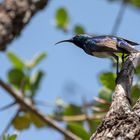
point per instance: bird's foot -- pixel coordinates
(116, 80)
(130, 101)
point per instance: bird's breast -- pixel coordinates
(101, 54)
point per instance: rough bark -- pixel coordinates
(122, 122)
(14, 15)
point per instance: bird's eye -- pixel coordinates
(77, 35)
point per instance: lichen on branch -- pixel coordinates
(14, 15)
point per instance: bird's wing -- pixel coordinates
(123, 44)
(106, 43)
(128, 41)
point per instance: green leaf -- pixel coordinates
(138, 70)
(35, 81)
(22, 122)
(5, 137)
(78, 29)
(93, 124)
(72, 110)
(8, 137)
(16, 77)
(135, 3)
(36, 121)
(36, 60)
(61, 18)
(78, 130)
(108, 80)
(13, 137)
(135, 91)
(15, 60)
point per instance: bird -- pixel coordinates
(104, 46)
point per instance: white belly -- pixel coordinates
(101, 54)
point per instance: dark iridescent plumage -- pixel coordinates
(103, 46)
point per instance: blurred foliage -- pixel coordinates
(22, 78)
(78, 29)
(105, 94)
(108, 80)
(78, 130)
(72, 110)
(135, 3)
(62, 21)
(9, 137)
(62, 18)
(25, 119)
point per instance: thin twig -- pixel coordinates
(8, 125)
(7, 106)
(99, 109)
(82, 117)
(85, 108)
(119, 18)
(102, 101)
(32, 109)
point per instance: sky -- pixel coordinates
(66, 64)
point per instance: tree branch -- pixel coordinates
(14, 15)
(19, 99)
(122, 122)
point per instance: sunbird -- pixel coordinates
(104, 46)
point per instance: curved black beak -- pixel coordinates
(69, 40)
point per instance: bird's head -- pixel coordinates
(78, 40)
